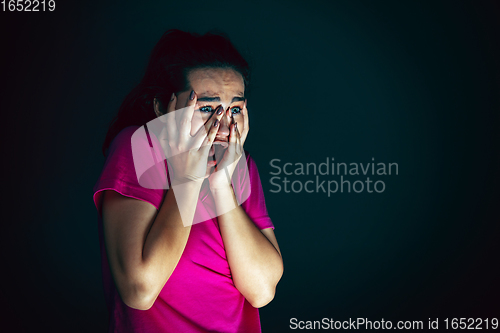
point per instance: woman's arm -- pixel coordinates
(253, 255)
(144, 245)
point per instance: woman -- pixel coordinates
(163, 270)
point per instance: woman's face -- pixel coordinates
(214, 87)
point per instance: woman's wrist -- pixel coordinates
(186, 197)
(221, 183)
(220, 180)
(185, 180)
(224, 198)
(221, 188)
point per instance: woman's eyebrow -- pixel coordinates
(217, 99)
(208, 99)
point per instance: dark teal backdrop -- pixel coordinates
(412, 83)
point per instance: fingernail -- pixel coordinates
(191, 97)
(219, 110)
(172, 97)
(216, 122)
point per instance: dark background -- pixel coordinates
(413, 83)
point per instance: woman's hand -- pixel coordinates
(221, 178)
(187, 154)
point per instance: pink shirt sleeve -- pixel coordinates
(255, 205)
(119, 173)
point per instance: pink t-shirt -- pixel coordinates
(200, 295)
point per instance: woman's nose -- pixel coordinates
(224, 126)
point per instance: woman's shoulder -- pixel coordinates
(129, 142)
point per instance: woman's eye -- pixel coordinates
(235, 110)
(206, 109)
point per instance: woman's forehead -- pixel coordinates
(211, 82)
(206, 94)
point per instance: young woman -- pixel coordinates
(163, 270)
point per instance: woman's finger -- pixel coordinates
(239, 143)
(232, 153)
(203, 132)
(233, 141)
(238, 134)
(233, 137)
(246, 124)
(186, 115)
(209, 137)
